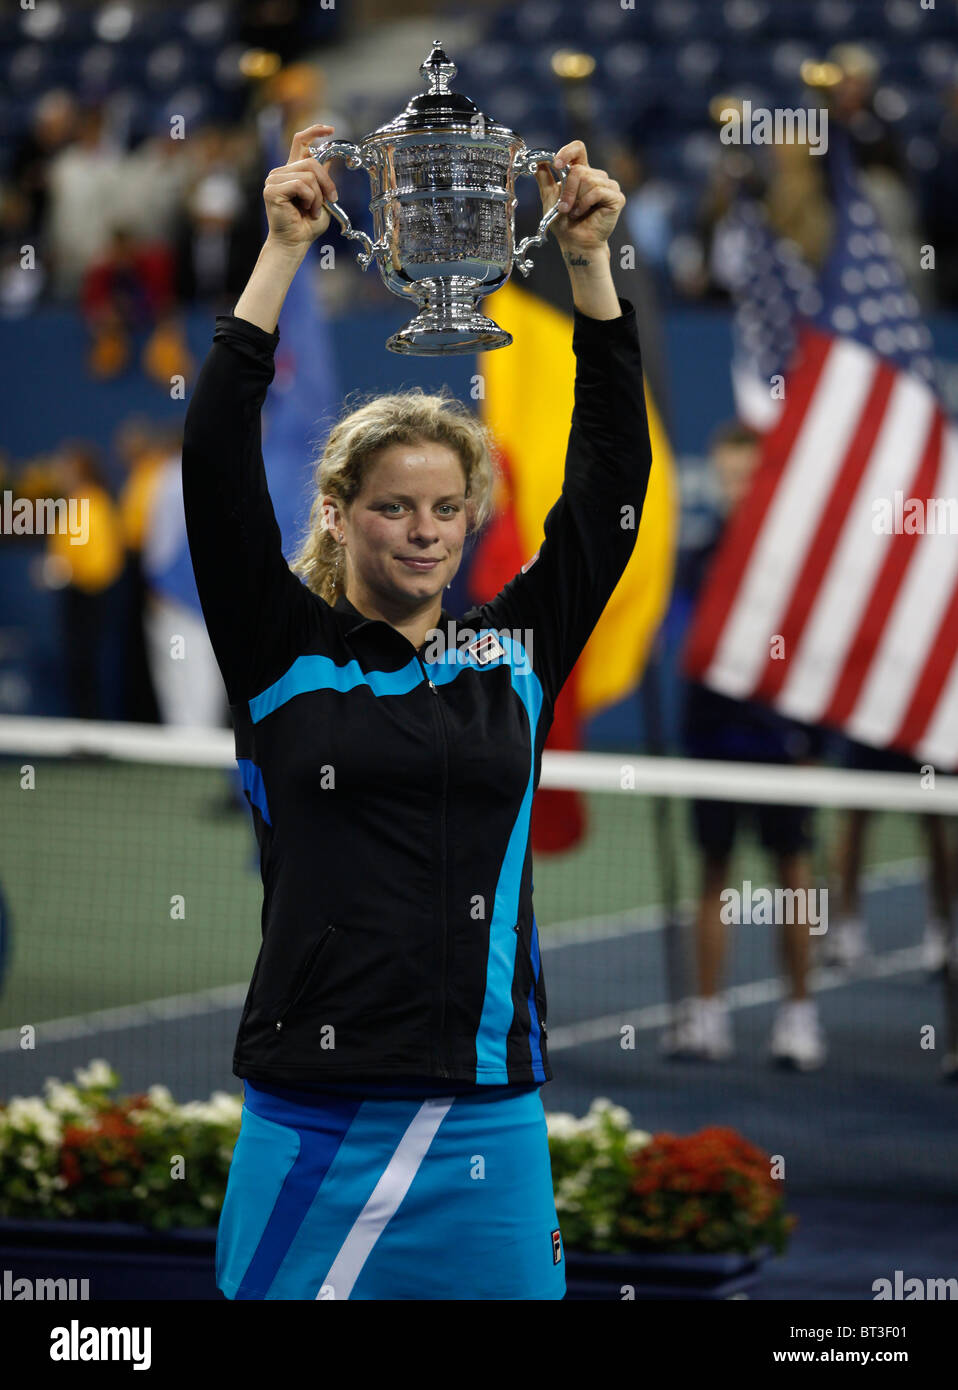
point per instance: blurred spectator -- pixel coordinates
(942, 205)
(213, 250)
(156, 176)
(142, 447)
(853, 104)
(54, 126)
(798, 203)
(85, 181)
(89, 573)
(884, 171)
(186, 678)
(649, 207)
(700, 264)
(22, 272)
(299, 90)
(717, 726)
(847, 942)
(127, 289)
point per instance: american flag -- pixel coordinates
(834, 593)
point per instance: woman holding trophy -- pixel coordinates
(393, 1142)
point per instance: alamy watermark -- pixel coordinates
(899, 515)
(14, 1290)
(45, 516)
(465, 646)
(744, 124)
(767, 907)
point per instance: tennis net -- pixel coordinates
(130, 876)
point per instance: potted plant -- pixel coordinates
(661, 1215)
(125, 1192)
(121, 1191)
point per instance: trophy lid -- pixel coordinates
(439, 108)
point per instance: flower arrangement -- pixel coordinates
(83, 1152)
(620, 1189)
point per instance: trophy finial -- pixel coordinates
(438, 70)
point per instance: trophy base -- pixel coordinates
(448, 327)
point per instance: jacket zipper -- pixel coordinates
(303, 977)
(535, 992)
(443, 1071)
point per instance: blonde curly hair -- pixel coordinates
(402, 417)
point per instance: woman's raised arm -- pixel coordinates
(293, 195)
(252, 602)
(591, 530)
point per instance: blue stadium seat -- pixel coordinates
(169, 65)
(746, 21)
(30, 68)
(207, 23)
(681, 20)
(625, 63)
(100, 68)
(611, 23)
(698, 63)
(936, 63)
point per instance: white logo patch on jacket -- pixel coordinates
(486, 648)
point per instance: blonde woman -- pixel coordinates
(393, 1041)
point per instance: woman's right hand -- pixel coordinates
(294, 194)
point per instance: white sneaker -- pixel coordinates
(934, 947)
(845, 943)
(797, 1039)
(703, 1030)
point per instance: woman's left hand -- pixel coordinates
(590, 202)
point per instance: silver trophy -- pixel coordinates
(442, 177)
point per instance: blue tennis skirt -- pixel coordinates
(343, 1196)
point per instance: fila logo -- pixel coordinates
(529, 563)
(486, 648)
(556, 1247)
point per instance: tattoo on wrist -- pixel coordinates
(573, 258)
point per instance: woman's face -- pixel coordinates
(404, 533)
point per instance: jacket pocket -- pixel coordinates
(537, 993)
(302, 978)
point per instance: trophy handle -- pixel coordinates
(353, 156)
(526, 164)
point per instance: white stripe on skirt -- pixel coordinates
(385, 1199)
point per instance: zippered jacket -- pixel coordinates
(391, 788)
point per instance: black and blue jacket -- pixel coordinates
(391, 788)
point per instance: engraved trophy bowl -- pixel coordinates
(442, 177)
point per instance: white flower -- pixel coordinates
(616, 1114)
(25, 1114)
(63, 1100)
(562, 1125)
(200, 1112)
(161, 1098)
(98, 1074)
(638, 1138)
(225, 1107)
